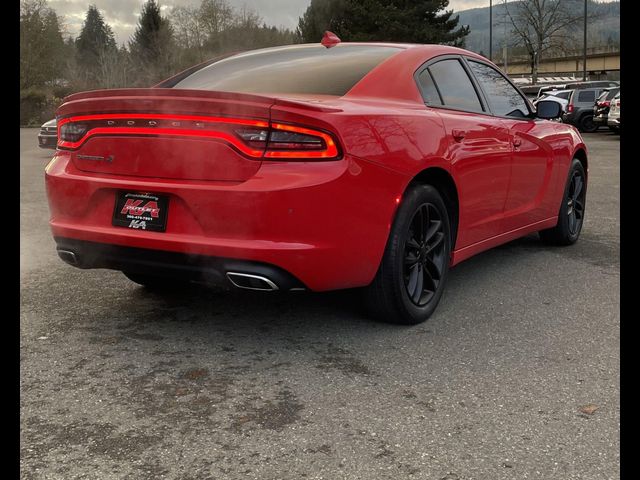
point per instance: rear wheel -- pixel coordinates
(571, 215)
(587, 124)
(413, 271)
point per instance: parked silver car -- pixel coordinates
(48, 136)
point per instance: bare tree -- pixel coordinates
(188, 28)
(542, 26)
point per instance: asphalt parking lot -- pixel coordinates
(514, 377)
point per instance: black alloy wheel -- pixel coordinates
(575, 203)
(424, 251)
(572, 209)
(412, 274)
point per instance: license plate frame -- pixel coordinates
(141, 211)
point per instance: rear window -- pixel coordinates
(612, 93)
(586, 96)
(564, 95)
(295, 69)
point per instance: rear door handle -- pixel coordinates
(458, 135)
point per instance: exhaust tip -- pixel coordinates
(68, 256)
(251, 282)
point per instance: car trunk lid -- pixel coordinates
(165, 133)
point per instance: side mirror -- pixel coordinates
(548, 109)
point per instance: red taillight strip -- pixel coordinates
(172, 132)
(162, 131)
(330, 152)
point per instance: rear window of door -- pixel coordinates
(504, 99)
(454, 85)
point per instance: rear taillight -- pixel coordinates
(294, 142)
(254, 138)
(72, 131)
(605, 104)
(290, 142)
(570, 108)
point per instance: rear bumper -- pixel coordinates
(613, 122)
(568, 118)
(601, 119)
(324, 223)
(174, 265)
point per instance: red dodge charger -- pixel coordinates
(319, 167)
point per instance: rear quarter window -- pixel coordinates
(429, 90)
(294, 69)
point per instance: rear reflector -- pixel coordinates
(254, 138)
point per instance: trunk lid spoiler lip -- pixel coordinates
(147, 95)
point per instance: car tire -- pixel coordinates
(414, 268)
(572, 209)
(152, 282)
(586, 124)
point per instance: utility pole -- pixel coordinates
(584, 48)
(504, 38)
(491, 30)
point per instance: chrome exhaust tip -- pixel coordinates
(251, 282)
(68, 256)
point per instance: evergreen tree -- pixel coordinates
(413, 21)
(96, 40)
(321, 15)
(152, 44)
(41, 44)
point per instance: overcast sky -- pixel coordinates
(122, 15)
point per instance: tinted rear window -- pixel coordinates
(301, 69)
(612, 93)
(586, 96)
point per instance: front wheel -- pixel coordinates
(571, 215)
(412, 274)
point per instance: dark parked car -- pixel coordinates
(602, 106)
(48, 136)
(578, 86)
(579, 112)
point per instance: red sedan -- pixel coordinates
(314, 167)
